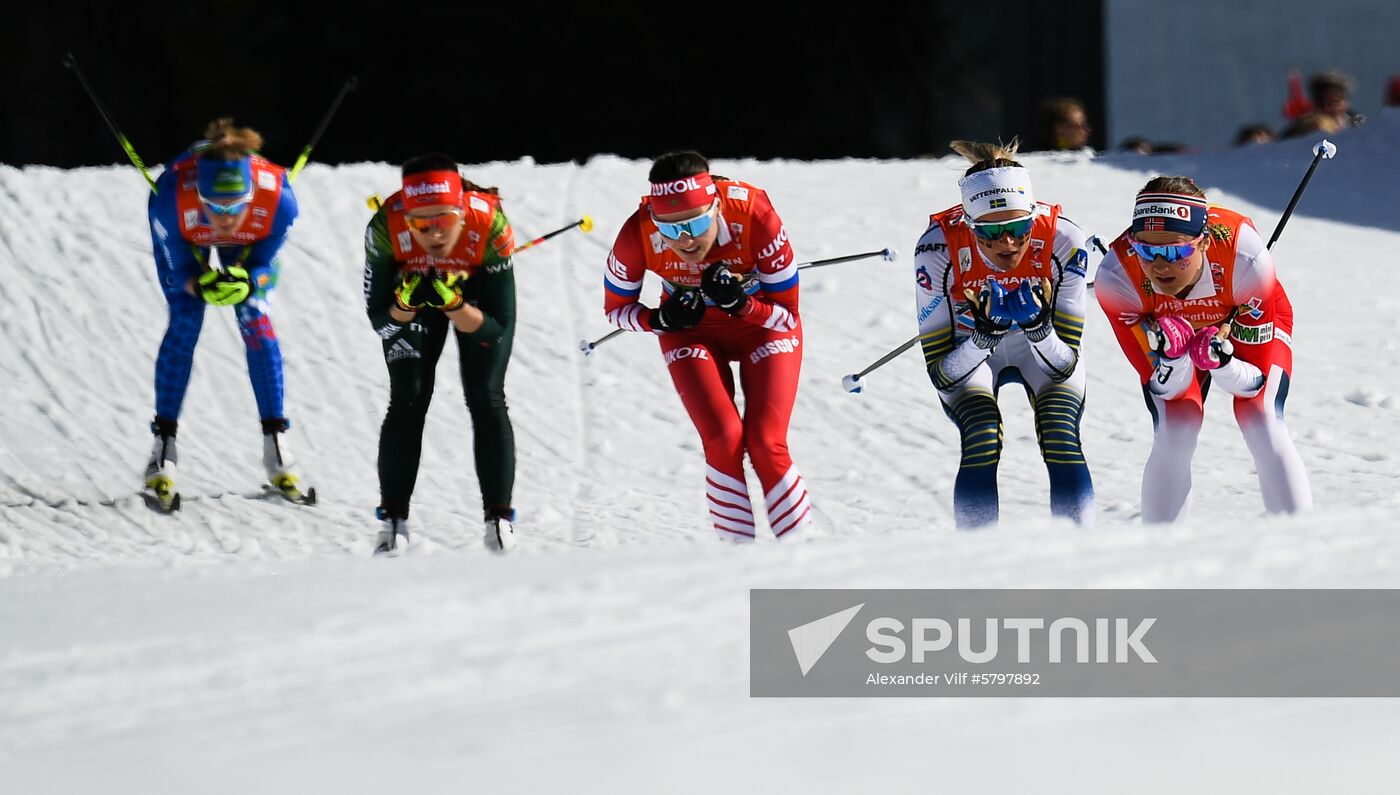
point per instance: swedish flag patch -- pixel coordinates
(996, 204)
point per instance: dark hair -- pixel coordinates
(1182, 185)
(1332, 79)
(987, 156)
(1248, 132)
(678, 165)
(441, 162)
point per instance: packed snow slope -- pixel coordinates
(245, 642)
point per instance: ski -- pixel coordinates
(292, 494)
(160, 496)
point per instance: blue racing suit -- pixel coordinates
(178, 260)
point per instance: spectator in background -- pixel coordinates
(1392, 92)
(1136, 143)
(1315, 122)
(1331, 97)
(1061, 125)
(1254, 134)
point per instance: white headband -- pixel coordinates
(996, 189)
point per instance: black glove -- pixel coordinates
(724, 288)
(990, 318)
(682, 310)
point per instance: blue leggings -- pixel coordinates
(176, 356)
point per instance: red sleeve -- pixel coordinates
(774, 306)
(622, 281)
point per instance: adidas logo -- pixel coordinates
(401, 350)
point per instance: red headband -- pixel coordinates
(432, 187)
(686, 193)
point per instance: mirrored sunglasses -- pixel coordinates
(442, 221)
(233, 208)
(694, 227)
(1172, 252)
(996, 230)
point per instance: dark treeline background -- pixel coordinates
(504, 80)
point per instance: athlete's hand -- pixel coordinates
(226, 287)
(990, 316)
(1170, 336)
(1030, 307)
(1209, 349)
(446, 290)
(406, 295)
(724, 288)
(683, 309)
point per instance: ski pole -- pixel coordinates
(1326, 150)
(854, 382)
(887, 254)
(72, 63)
(585, 223)
(350, 85)
(587, 347)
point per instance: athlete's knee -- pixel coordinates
(484, 398)
(763, 440)
(1057, 414)
(979, 422)
(724, 437)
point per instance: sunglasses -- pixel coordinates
(442, 221)
(1174, 252)
(996, 230)
(227, 209)
(694, 227)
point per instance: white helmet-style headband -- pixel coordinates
(997, 189)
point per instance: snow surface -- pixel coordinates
(250, 645)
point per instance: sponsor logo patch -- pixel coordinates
(774, 347)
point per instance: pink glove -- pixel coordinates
(1173, 336)
(1208, 352)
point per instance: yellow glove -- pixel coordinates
(404, 296)
(447, 289)
(226, 287)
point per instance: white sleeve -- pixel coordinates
(949, 363)
(1057, 345)
(1254, 277)
(1172, 377)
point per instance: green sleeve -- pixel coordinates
(381, 276)
(492, 288)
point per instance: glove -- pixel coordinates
(1172, 336)
(990, 317)
(438, 291)
(446, 290)
(225, 287)
(1208, 351)
(682, 310)
(1031, 310)
(724, 288)
(406, 295)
